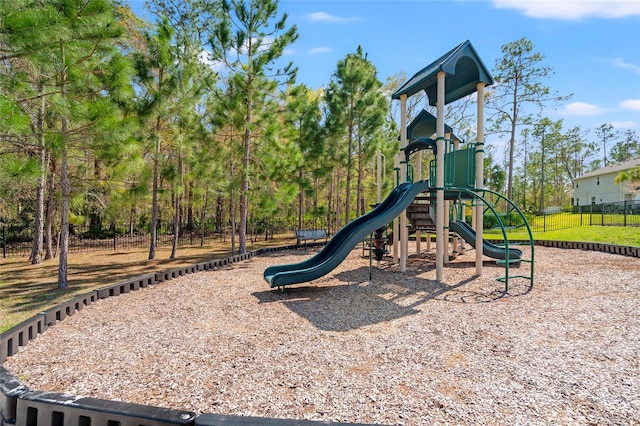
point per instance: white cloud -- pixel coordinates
(581, 109)
(633, 104)
(326, 17)
(624, 125)
(205, 58)
(619, 63)
(322, 49)
(572, 9)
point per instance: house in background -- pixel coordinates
(598, 186)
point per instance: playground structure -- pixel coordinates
(438, 204)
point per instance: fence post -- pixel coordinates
(4, 241)
(544, 222)
(591, 214)
(114, 236)
(580, 213)
(625, 212)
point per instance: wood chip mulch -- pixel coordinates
(400, 348)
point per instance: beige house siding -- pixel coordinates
(599, 186)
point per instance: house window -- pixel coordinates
(593, 200)
(598, 180)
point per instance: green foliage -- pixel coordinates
(627, 146)
(14, 119)
(249, 38)
(17, 168)
(509, 221)
(632, 175)
(520, 83)
(355, 116)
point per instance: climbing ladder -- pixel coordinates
(419, 216)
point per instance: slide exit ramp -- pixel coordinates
(339, 247)
(488, 249)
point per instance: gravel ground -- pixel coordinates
(401, 348)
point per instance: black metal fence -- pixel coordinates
(17, 241)
(625, 213)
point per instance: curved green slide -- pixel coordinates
(488, 249)
(337, 249)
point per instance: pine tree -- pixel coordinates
(250, 39)
(88, 65)
(520, 76)
(605, 134)
(626, 148)
(356, 111)
(303, 115)
(157, 76)
(68, 47)
(23, 81)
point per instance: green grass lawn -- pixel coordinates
(620, 235)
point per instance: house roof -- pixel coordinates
(614, 168)
(464, 70)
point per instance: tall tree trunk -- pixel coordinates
(38, 226)
(524, 181)
(218, 218)
(315, 203)
(512, 143)
(132, 218)
(300, 201)
(64, 210)
(154, 195)
(347, 199)
(51, 186)
(96, 215)
(178, 198)
(65, 185)
(244, 190)
(338, 203)
(190, 213)
(176, 225)
(203, 218)
(330, 209)
(542, 175)
(232, 218)
(359, 196)
(156, 177)
(232, 198)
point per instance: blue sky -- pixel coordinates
(593, 46)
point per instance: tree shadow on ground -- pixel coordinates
(389, 295)
(30, 291)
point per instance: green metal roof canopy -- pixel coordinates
(464, 70)
(424, 126)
